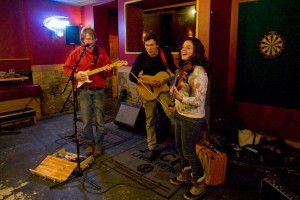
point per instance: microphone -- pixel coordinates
(86, 45)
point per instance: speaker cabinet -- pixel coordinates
(72, 35)
(130, 115)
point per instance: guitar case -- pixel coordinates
(214, 164)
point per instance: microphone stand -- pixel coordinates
(75, 119)
(66, 101)
(68, 98)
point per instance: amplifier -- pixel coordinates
(130, 115)
(273, 190)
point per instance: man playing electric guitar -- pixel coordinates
(91, 93)
(154, 61)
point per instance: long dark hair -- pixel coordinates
(198, 57)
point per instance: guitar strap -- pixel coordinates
(163, 57)
(96, 55)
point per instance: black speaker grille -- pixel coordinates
(72, 35)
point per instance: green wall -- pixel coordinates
(269, 81)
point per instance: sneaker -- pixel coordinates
(89, 150)
(98, 151)
(198, 190)
(184, 177)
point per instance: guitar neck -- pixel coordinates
(95, 71)
(168, 80)
(115, 64)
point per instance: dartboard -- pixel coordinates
(271, 44)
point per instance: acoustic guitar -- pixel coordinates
(150, 93)
(94, 71)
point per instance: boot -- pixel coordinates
(98, 151)
(153, 155)
(184, 177)
(198, 190)
(89, 150)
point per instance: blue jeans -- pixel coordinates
(92, 106)
(187, 133)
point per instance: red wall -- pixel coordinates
(130, 57)
(97, 16)
(101, 21)
(218, 55)
(13, 36)
(25, 36)
(46, 48)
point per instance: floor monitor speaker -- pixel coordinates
(130, 115)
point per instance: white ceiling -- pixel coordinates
(79, 2)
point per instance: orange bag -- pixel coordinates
(214, 165)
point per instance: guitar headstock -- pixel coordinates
(120, 63)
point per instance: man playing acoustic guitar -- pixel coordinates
(157, 65)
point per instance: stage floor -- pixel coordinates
(27, 147)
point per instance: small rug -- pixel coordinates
(112, 136)
(155, 175)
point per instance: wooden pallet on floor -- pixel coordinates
(60, 165)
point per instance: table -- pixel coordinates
(17, 78)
